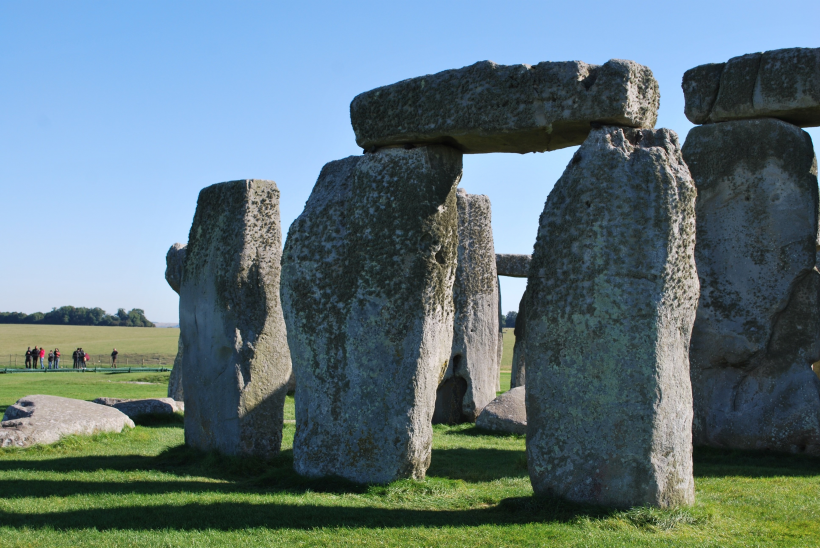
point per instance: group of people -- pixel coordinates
(81, 358)
(32, 356)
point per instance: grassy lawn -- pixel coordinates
(136, 342)
(143, 487)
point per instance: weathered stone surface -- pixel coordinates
(175, 391)
(506, 413)
(174, 266)
(45, 419)
(611, 299)
(148, 406)
(367, 282)
(236, 361)
(514, 266)
(473, 358)
(758, 323)
(783, 83)
(518, 374)
(487, 107)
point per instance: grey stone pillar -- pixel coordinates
(236, 362)
(368, 272)
(472, 376)
(174, 266)
(609, 402)
(758, 323)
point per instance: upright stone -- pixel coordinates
(758, 322)
(783, 83)
(236, 362)
(471, 378)
(488, 107)
(367, 285)
(174, 267)
(518, 373)
(609, 402)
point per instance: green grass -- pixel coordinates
(98, 341)
(143, 487)
(509, 343)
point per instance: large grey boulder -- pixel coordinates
(783, 83)
(134, 408)
(174, 265)
(471, 378)
(609, 402)
(367, 290)
(518, 373)
(488, 107)
(236, 362)
(514, 266)
(45, 419)
(507, 413)
(758, 323)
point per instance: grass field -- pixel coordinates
(134, 342)
(143, 487)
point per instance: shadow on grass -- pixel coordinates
(719, 463)
(160, 420)
(229, 516)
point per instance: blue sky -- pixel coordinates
(113, 115)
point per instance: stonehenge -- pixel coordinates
(608, 396)
(757, 331)
(673, 295)
(174, 264)
(367, 291)
(236, 361)
(471, 378)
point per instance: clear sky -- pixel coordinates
(113, 115)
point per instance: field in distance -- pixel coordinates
(150, 343)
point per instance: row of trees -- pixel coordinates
(70, 315)
(508, 319)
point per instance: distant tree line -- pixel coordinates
(508, 320)
(69, 315)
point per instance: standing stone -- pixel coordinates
(174, 267)
(488, 107)
(783, 83)
(609, 402)
(518, 374)
(471, 378)
(758, 323)
(367, 285)
(236, 362)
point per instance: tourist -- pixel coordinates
(75, 355)
(28, 358)
(114, 358)
(56, 358)
(42, 358)
(86, 359)
(50, 358)
(34, 355)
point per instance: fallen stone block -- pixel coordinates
(609, 401)
(45, 419)
(367, 291)
(507, 413)
(471, 378)
(148, 406)
(758, 322)
(514, 266)
(783, 84)
(488, 107)
(236, 362)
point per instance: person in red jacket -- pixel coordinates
(42, 357)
